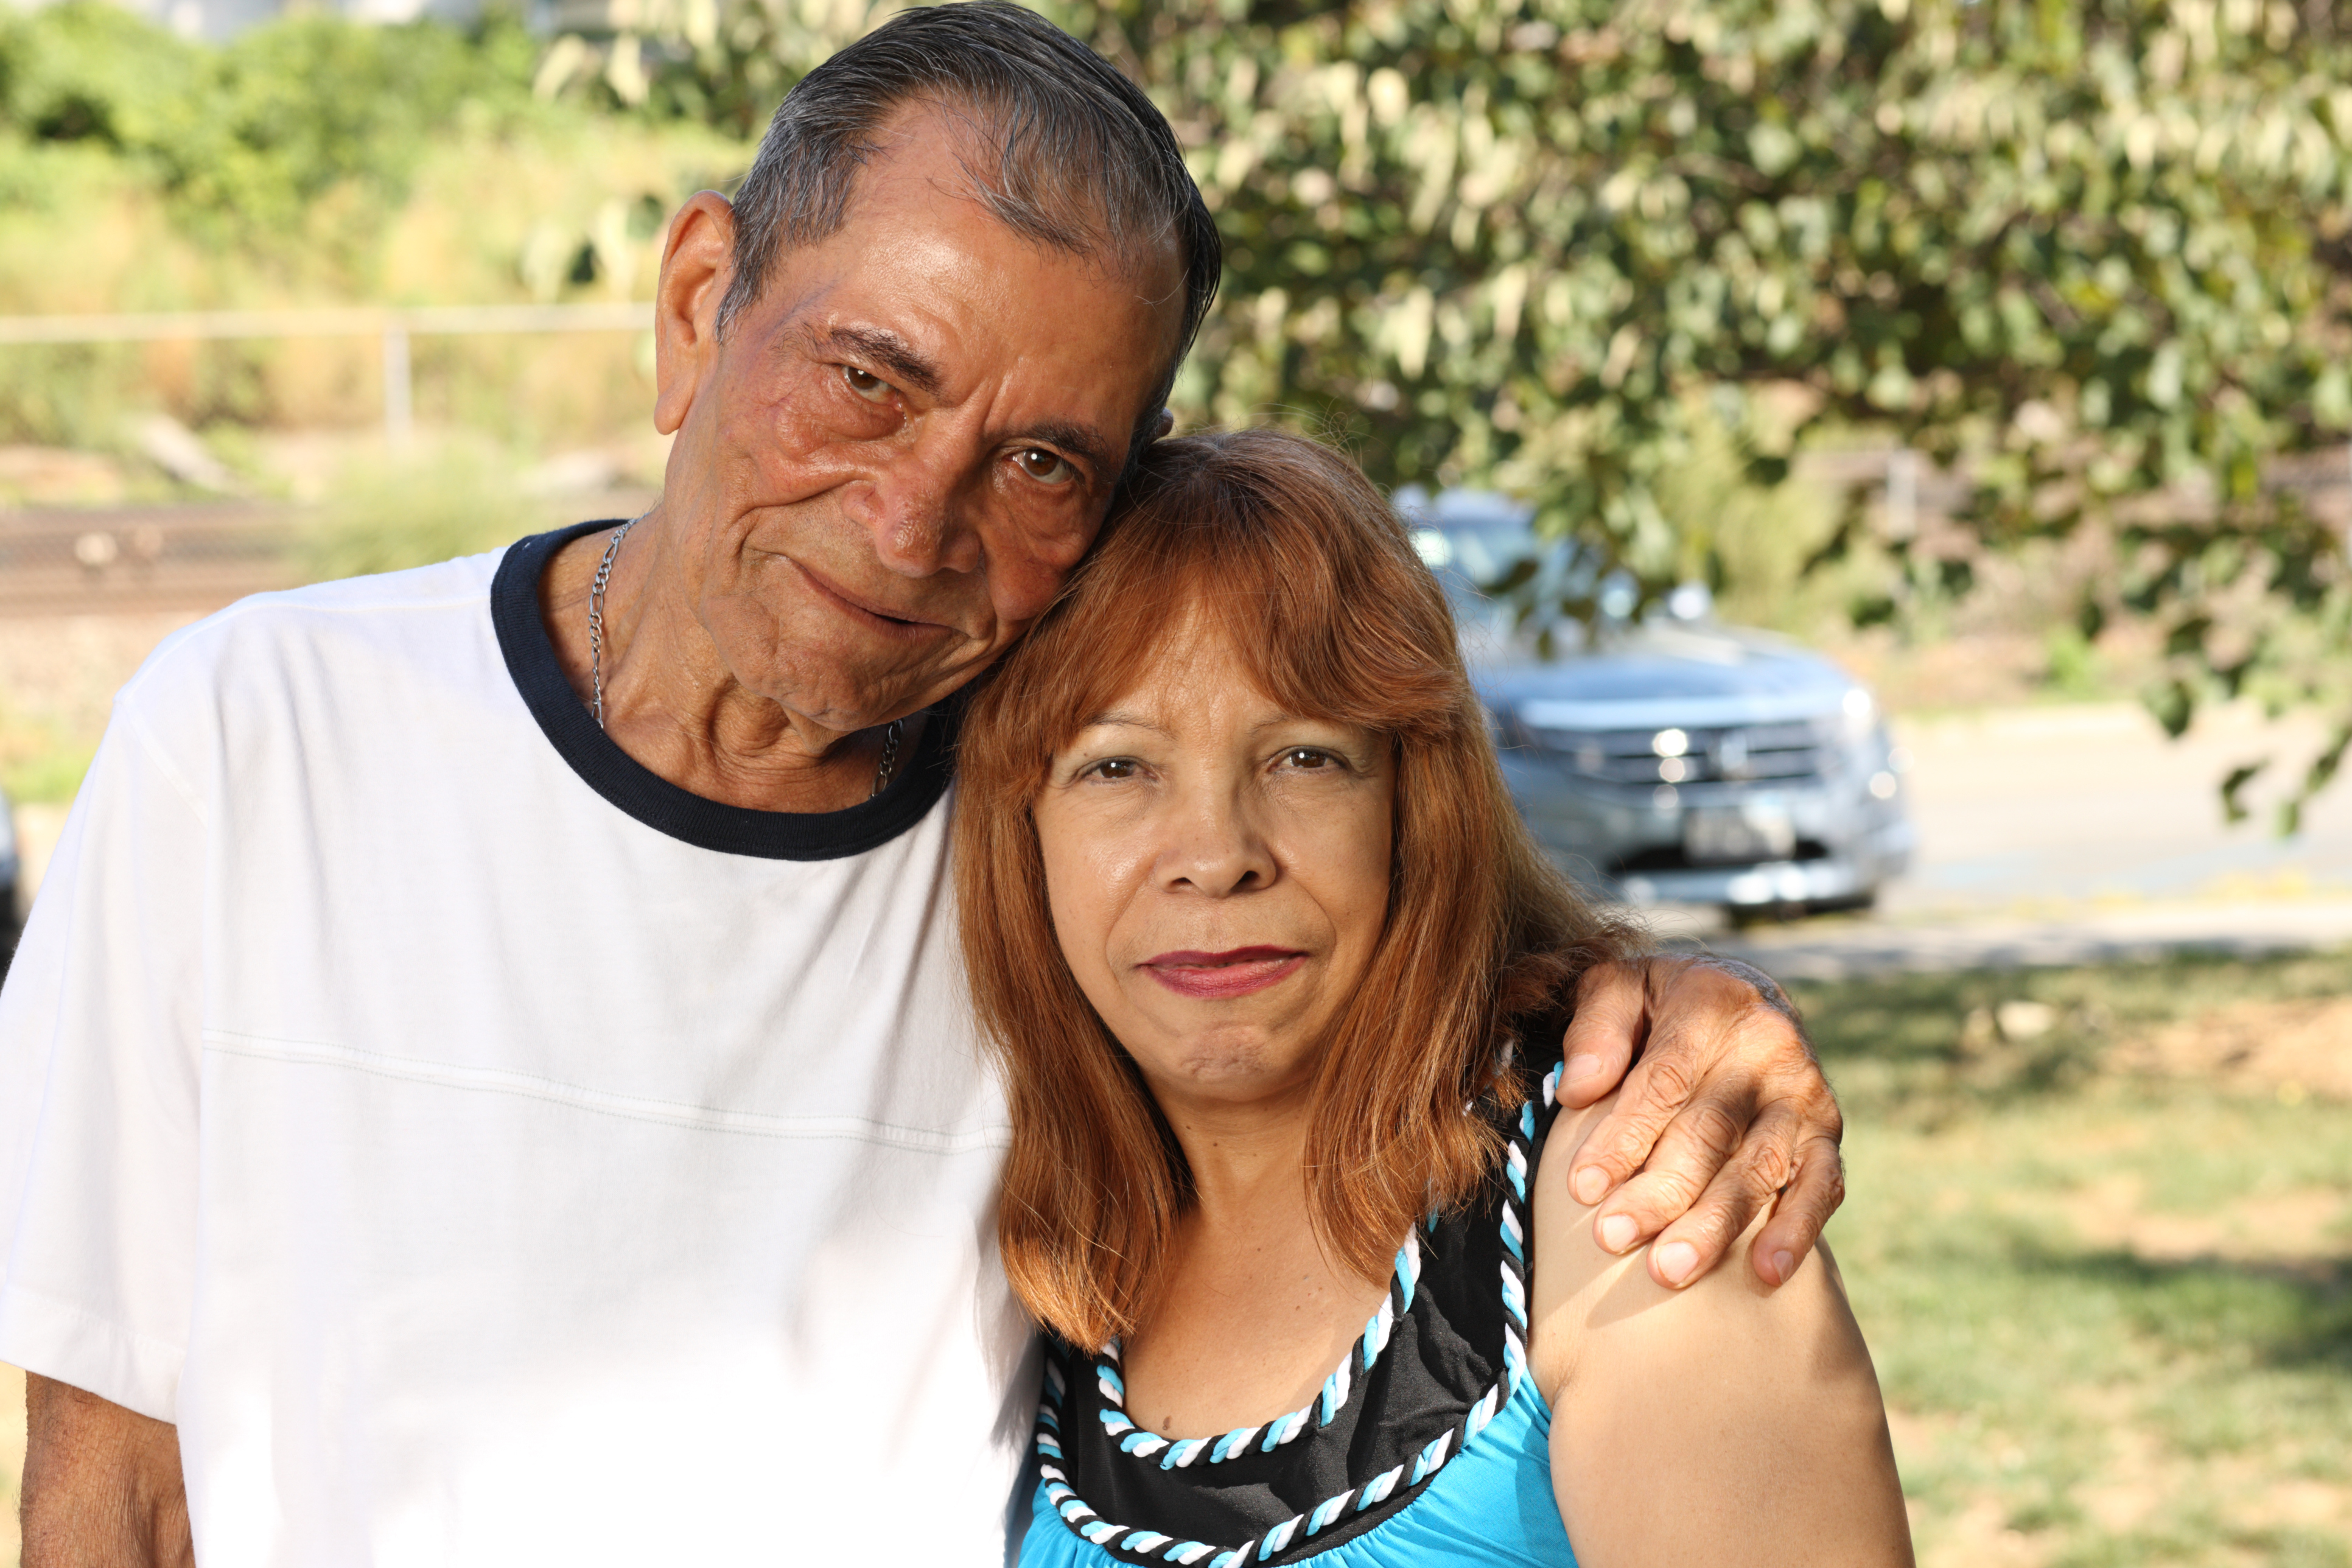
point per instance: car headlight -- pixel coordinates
(1861, 711)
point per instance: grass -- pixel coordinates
(390, 516)
(40, 763)
(2112, 1310)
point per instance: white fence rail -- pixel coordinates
(393, 325)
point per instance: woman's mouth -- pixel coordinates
(1216, 975)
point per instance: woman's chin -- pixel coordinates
(1233, 1068)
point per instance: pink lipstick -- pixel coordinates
(1212, 977)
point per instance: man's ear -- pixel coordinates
(698, 264)
(1167, 422)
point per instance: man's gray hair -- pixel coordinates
(1079, 159)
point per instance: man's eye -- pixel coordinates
(866, 383)
(1045, 467)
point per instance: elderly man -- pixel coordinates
(487, 1080)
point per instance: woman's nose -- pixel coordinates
(1214, 846)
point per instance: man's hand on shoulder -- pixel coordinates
(1726, 1114)
(102, 1487)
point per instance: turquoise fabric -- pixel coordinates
(1492, 1504)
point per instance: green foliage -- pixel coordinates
(2097, 258)
(459, 499)
(2074, 664)
(248, 139)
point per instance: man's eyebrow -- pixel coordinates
(1088, 445)
(897, 360)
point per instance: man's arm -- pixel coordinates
(102, 1484)
(1725, 1115)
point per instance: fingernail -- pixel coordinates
(1675, 1261)
(1582, 1067)
(1617, 1232)
(1784, 1265)
(1590, 1185)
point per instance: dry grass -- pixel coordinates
(566, 209)
(2106, 1265)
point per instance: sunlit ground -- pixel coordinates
(2100, 1236)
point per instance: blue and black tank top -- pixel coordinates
(1429, 1443)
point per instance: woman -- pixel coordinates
(1266, 955)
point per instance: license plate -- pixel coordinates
(1737, 835)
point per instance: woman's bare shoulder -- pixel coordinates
(1584, 1294)
(1726, 1420)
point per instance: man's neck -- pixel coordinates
(671, 703)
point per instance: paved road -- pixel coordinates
(2072, 835)
(2074, 804)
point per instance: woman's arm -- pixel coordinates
(1724, 1423)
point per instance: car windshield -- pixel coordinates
(1470, 558)
(1471, 555)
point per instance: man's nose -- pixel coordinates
(1214, 844)
(918, 503)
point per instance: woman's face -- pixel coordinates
(1218, 871)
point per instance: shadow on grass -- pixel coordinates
(2294, 1315)
(1931, 1046)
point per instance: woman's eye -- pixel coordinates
(1306, 757)
(866, 383)
(1045, 467)
(1113, 768)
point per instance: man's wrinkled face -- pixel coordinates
(893, 461)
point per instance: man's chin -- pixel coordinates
(846, 705)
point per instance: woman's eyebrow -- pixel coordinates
(1119, 718)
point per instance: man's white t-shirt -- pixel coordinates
(483, 1150)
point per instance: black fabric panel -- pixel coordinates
(1442, 1356)
(653, 800)
(1435, 1368)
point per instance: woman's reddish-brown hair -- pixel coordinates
(1289, 551)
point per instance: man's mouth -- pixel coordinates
(880, 617)
(1212, 976)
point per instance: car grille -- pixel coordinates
(1731, 754)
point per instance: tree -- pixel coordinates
(2097, 256)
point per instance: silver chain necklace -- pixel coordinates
(596, 617)
(604, 579)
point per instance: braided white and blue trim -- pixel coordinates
(1432, 1458)
(1180, 1453)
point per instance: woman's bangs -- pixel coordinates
(1124, 612)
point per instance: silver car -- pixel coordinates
(1669, 759)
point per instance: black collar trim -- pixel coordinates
(1342, 1465)
(653, 800)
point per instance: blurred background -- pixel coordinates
(1891, 457)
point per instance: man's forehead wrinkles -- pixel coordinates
(899, 359)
